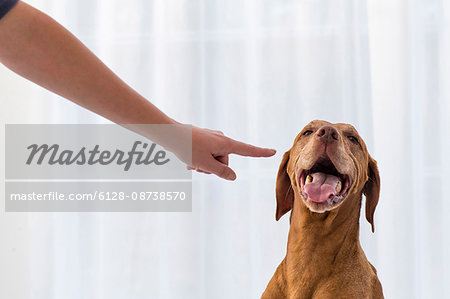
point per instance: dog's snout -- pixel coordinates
(327, 134)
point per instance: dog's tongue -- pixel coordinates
(322, 186)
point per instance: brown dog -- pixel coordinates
(322, 179)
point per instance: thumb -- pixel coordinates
(221, 170)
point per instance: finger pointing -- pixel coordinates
(249, 150)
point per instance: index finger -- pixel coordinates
(248, 150)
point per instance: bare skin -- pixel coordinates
(39, 49)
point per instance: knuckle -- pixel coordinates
(225, 143)
(228, 141)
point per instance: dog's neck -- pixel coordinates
(320, 242)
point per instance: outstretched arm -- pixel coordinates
(38, 48)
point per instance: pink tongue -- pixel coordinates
(322, 186)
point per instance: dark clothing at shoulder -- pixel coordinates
(6, 5)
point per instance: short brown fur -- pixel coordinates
(324, 257)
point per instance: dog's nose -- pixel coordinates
(327, 134)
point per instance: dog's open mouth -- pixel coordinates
(323, 185)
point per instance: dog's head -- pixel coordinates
(327, 165)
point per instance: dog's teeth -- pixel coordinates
(309, 179)
(338, 186)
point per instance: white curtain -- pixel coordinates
(259, 70)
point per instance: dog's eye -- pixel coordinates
(308, 132)
(353, 139)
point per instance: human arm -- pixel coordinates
(38, 48)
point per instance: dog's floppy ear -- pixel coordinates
(284, 192)
(372, 190)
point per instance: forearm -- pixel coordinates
(36, 47)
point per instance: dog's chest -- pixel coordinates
(319, 281)
(329, 289)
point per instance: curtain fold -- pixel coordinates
(258, 70)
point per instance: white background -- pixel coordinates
(259, 71)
